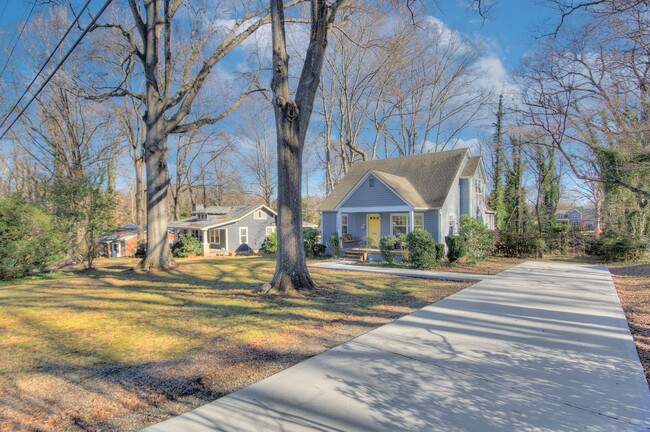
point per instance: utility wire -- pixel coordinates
(58, 66)
(38, 74)
(18, 38)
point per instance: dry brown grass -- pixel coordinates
(633, 287)
(113, 349)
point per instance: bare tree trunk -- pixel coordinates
(139, 199)
(158, 251)
(292, 120)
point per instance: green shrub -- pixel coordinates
(478, 240)
(141, 250)
(270, 244)
(520, 245)
(334, 244)
(386, 248)
(319, 250)
(612, 249)
(187, 246)
(440, 252)
(30, 240)
(421, 247)
(401, 241)
(456, 247)
(310, 238)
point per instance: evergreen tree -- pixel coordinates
(513, 198)
(548, 187)
(497, 199)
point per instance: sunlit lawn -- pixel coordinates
(59, 334)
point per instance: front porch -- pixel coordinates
(213, 241)
(361, 229)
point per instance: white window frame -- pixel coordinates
(259, 215)
(243, 232)
(452, 224)
(478, 187)
(196, 234)
(392, 225)
(270, 230)
(345, 224)
(214, 236)
(415, 220)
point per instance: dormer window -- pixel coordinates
(201, 216)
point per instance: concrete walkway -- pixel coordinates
(424, 274)
(542, 346)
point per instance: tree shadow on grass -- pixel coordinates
(222, 337)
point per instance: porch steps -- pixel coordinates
(356, 254)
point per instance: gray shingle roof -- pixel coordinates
(233, 214)
(427, 177)
(403, 187)
(470, 166)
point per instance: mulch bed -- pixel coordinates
(633, 287)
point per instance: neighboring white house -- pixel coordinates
(393, 196)
(227, 229)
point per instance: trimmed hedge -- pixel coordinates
(456, 247)
(422, 249)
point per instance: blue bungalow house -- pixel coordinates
(393, 196)
(227, 229)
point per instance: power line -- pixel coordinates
(58, 66)
(13, 48)
(58, 45)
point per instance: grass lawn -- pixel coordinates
(113, 349)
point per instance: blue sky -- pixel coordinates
(511, 30)
(508, 35)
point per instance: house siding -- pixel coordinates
(328, 225)
(432, 224)
(377, 196)
(256, 232)
(452, 206)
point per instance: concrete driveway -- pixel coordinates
(542, 346)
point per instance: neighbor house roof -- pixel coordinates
(117, 236)
(422, 180)
(225, 216)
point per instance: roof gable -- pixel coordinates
(235, 214)
(423, 179)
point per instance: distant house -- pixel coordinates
(227, 229)
(393, 196)
(121, 243)
(583, 218)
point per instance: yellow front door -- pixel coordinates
(374, 228)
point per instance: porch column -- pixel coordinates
(176, 233)
(338, 224)
(411, 220)
(206, 245)
(225, 230)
